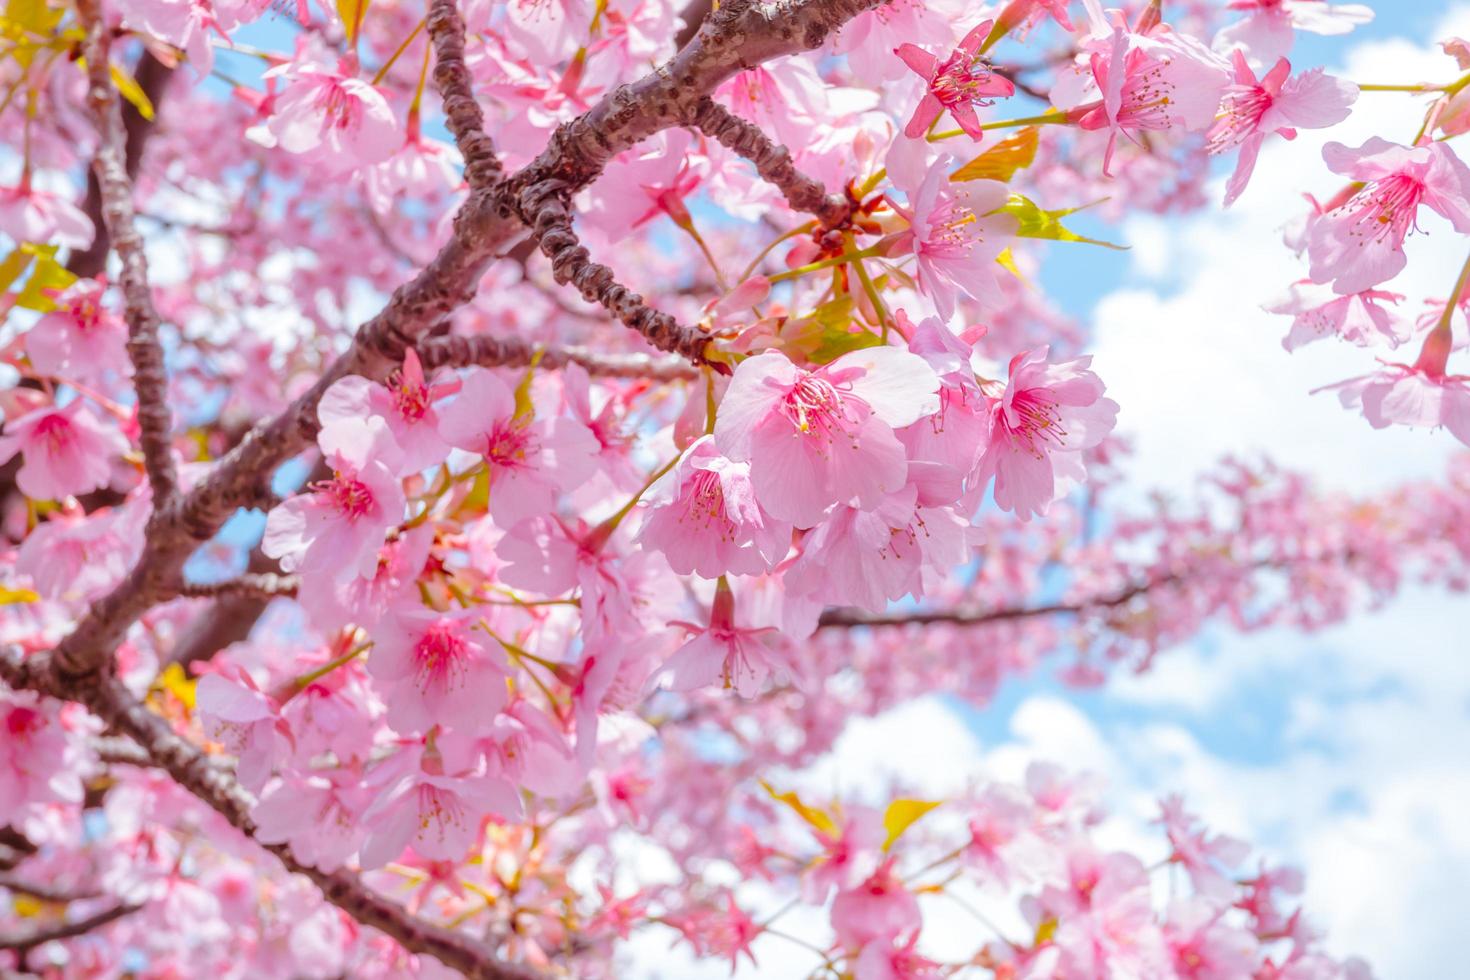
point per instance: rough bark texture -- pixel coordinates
(488, 351)
(772, 161)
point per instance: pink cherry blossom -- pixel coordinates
(247, 722)
(956, 235)
(81, 339)
(1358, 318)
(333, 119)
(1361, 243)
(704, 517)
(337, 529)
(437, 669)
(1268, 29)
(29, 214)
(434, 809)
(878, 908)
(1137, 83)
(405, 403)
(741, 657)
(363, 600)
(1048, 414)
(531, 460)
(38, 757)
(958, 84)
(825, 436)
(1252, 109)
(78, 555)
(66, 450)
(643, 183)
(869, 39)
(317, 814)
(1398, 394)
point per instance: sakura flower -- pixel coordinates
(182, 23)
(405, 403)
(1356, 318)
(38, 756)
(849, 856)
(865, 558)
(336, 528)
(959, 83)
(956, 235)
(884, 959)
(879, 908)
(643, 183)
(1136, 83)
(742, 657)
(1039, 427)
(1025, 13)
(67, 450)
(1268, 29)
(437, 669)
(703, 516)
(247, 722)
(825, 436)
(869, 39)
(29, 214)
(81, 339)
(1203, 856)
(1202, 945)
(422, 168)
(1397, 394)
(1360, 244)
(1252, 109)
(531, 460)
(435, 810)
(332, 119)
(331, 603)
(548, 30)
(81, 555)
(317, 815)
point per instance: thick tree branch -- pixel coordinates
(462, 113)
(106, 697)
(487, 351)
(772, 161)
(152, 77)
(261, 585)
(110, 166)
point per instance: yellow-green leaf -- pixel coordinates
(352, 12)
(1002, 160)
(47, 277)
(1036, 222)
(901, 815)
(525, 409)
(13, 268)
(129, 89)
(9, 596)
(827, 333)
(174, 681)
(816, 818)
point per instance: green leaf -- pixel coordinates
(352, 12)
(13, 268)
(827, 333)
(901, 815)
(1036, 222)
(1002, 160)
(129, 89)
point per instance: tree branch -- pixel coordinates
(107, 698)
(978, 616)
(23, 944)
(463, 116)
(772, 161)
(116, 189)
(260, 585)
(488, 351)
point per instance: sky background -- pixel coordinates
(1345, 751)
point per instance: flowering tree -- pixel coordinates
(559, 587)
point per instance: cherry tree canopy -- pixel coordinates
(463, 461)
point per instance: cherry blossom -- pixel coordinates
(957, 84)
(816, 438)
(65, 450)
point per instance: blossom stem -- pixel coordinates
(311, 677)
(688, 227)
(845, 258)
(1050, 117)
(392, 58)
(787, 236)
(870, 290)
